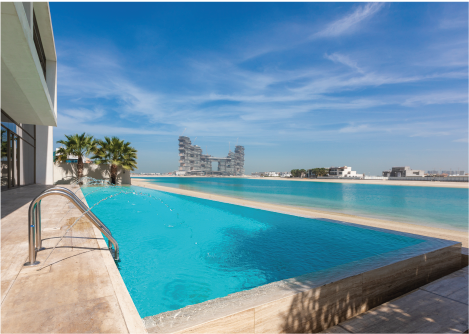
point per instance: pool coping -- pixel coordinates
(130, 314)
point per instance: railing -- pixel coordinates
(34, 222)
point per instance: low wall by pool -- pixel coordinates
(316, 301)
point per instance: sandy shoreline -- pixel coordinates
(434, 232)
(438, 184)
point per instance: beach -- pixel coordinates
(437, 184)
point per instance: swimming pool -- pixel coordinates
(429, 206)
(178, 250)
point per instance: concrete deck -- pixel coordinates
(78, 289)
(438, 307)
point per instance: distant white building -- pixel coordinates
(285, 174)
(180, 173)
(343, 172)
(271, 174)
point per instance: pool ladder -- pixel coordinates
(34, 222)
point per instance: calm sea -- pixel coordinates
(429, 206)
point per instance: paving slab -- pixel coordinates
(438, 307)
(453, 286)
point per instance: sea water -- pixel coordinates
(429, 206)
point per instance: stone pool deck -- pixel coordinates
(438, 307)
(77, 290)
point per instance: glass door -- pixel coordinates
(5, 163)
(10, 159)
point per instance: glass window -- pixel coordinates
(18, 153)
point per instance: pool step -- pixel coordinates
(438, 307)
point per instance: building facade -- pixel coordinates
(343, 172)
(192, 161)
(29, 94)
(403, 172)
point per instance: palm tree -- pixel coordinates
(79, 145)
(116, 152)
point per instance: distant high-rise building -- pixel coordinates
(193, 162)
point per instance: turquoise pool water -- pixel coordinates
(438, 207)
(177, 250)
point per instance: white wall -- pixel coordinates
(44, 155)
(64, 173)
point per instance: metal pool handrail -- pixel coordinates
(34, 222)
(79, 202)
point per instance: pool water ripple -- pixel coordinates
(201, 249)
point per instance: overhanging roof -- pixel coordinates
(25, 93)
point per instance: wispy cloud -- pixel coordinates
(320, 93)
(448, 97)
(461, 140)
(356, 128)
(343, 59)
(350, 22)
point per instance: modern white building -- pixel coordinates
(403, 172)
(285, 174)
(343, 172)
(29, 93)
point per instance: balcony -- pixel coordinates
(181, 154)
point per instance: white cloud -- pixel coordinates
(461, 140)
(356, 128)
(84, 114)
(228, 99)
(347, 23)
(343, 59)
(78, 125)
(436, 98)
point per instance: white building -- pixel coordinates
(29, 93)
(271, 174)
(285, 174)
(343, 172)
(403, 172)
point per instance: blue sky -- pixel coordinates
(300, 85)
